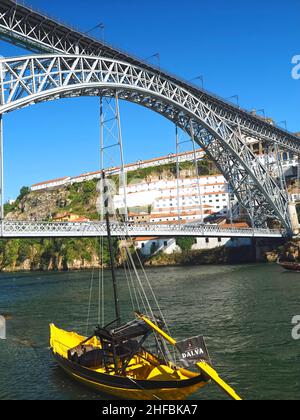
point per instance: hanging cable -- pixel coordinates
(90, 300)
(128, 284)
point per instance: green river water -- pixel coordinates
(244, 312)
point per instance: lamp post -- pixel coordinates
(235, 97)
(156, 55)
(201, 78)
(101, 26)
(284, 123)
(262, 111)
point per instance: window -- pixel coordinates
(207, 240)
(219, 240)
(166, 243)
(143, 245)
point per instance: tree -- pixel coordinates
(185, 243)
(23, 192)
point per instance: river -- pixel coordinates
(244, 312)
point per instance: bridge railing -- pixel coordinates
(10, 228)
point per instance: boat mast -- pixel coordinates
(111, 251)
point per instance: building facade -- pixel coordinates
(171, 201)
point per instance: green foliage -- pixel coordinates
(23, 192)
(54, 253)
(80, 196)
(185, 243)
(11, 250)
(9, 208)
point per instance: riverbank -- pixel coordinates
(215, 256)
(24, 255)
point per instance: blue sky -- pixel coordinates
(241, 48)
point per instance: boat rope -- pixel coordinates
(99, 286)
(164, 349)
(102, 297)
(90, 300)
(149, 310)
(152, 292)
(135, 287)
(155, 301)
(165, 346)
(128, 284)
(132, 286)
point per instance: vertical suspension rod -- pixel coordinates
(111, 251)
(120, 138)
(178, 175)
(197, 172)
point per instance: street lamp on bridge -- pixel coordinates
(101, 26)
(201, 78)
(234, 97)
(262, 111)
(284, 123)
(156, 55)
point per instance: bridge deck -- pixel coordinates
(20, 229)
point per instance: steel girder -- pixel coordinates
(18, 229)
(22, 25)
(28, 80)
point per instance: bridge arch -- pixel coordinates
(32, 79)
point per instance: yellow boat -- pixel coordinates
(115, 361)
(112, 362)
(144, 378)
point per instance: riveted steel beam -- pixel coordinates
(34, 30)
(32, 79)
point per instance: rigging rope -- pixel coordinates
(165, 349)
(128, 284)
(90, 300)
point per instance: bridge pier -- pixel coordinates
(294, 218)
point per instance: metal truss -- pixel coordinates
(33, 30)
(19, 229)
(110, 140)
(33, 79)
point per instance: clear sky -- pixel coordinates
(240, 48)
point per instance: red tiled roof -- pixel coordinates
(145, 238)
(235, 225)
(50, 182)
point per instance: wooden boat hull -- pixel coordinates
(125, 388)
(291, 266)
(162, 385)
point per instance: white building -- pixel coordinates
(142, 164)
(210, 243)
(151, 246)
(51, 184)
(173, 200)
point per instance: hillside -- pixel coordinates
(80, 199)
(45, 204)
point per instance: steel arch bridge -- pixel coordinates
(78, 64)
(32, 79)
